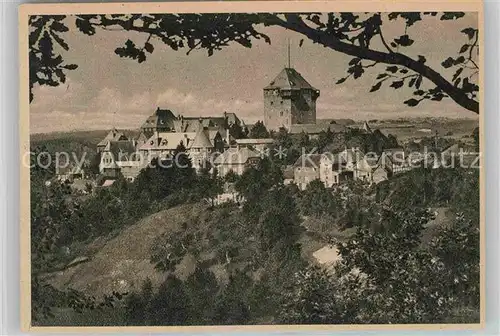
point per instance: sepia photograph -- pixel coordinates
(201, 165)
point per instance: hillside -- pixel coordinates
(123, 262)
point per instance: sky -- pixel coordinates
(107, 91)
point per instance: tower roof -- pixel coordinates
(160, 118)
(289, 78)
(201, 140)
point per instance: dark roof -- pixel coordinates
(308, 161)
(120, 149)
(192, 124)
(160, 118)
(289, 78)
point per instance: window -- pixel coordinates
(281, 113)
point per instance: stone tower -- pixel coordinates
(289, 99)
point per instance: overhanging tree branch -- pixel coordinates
(295, 23)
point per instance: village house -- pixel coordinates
(306, 169)
(237, 160)
(118, 157)
(384, 168)
(399, 161)
(113, 135)
(70, 173)
(333, 170)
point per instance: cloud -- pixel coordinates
(47, 98)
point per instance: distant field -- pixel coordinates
(418, 128)
(91, 137)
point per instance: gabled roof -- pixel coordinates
(334, 159)
(113, 135)
(120, 150)
(232, 118)
(368, 163)
(289, 78)
(308, 161)
(236, 156)
(352, 154)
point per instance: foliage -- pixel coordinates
(387, 277)
(237, 132)
(258, 131)
(169, 305)
(317, 200)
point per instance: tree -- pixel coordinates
(171, 305)
(475, 136)
(259, 131)
(202, 287)
(317, 200)
(236, 131)
(352, 34)
(231, 306)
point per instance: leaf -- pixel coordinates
(301, 42)
(403, 71)
(457, 73)
(412, 102)
(448, 62)
(392, 69)
(464, 48)
(376, 87)
(397, 84)
(70, 66)
(421, 59)
(470, 32)
(58, 26)
(382, 75)
(342, 80)
(149, 47)
(84, 26)
(452, 15)
(412, 82)
(418, 82)
(404, 40)
(419, 92)
(459, 60)
(59, 40)
(354, 61)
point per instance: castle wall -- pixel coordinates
(277, 110)
(288, 107)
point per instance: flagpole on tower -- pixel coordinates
(289, 66)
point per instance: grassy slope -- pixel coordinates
(123, 262)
